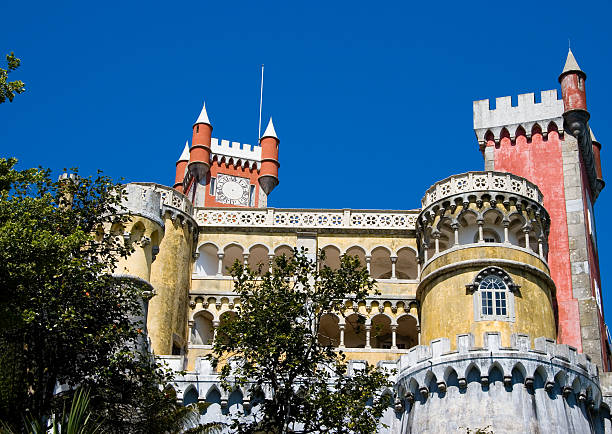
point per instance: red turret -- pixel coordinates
(268, 175)
(199, 154)
(596, 156)
(574, 96)
(181, 168)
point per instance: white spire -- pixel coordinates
(203, 118)
(185, 155)
(570, 63)
(269, 131)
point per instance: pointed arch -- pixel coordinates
(496, 373)
(190, 395)
(472, 373)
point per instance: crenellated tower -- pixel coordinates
(550, 143)
(221, 173)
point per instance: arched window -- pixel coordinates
(493, 295)
(493, 300)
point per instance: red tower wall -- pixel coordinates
(541, 161)
(217, 168)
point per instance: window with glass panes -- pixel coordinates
(493, 300)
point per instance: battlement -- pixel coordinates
(526, 113)
(549, 365)
(235, 153)
(140, 200)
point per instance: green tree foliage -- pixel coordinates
(273, 343)
(64, 319)
(8, 89)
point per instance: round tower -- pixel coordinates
(482, 240)
(143, 231)
(171, 275)
(199, 154)
(181, 168)
(268, 178)
(572, 80)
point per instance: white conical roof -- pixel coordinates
(570, 63)
(269, 131)
(185, 155)
(203, 118)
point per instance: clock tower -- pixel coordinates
(230, 174)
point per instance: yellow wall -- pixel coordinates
(138, 264)
(447, 309)
(171, 278)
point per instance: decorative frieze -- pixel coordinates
(502, 182)
(306, 219)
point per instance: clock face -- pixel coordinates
(232, 190)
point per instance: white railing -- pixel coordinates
(481, 181)
(345, 219)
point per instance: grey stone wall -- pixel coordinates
(547, 389)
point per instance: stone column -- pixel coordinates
(215, 325)
(368, 260)
(480, 235)
(245, 258)
(220, 266)
(506, 238)
(526, 231)
(341, 326)
(394, 336)
(190, 326)
(270, 262)
(368, 328)
(541, 247)
(393, 262)
(455, 227)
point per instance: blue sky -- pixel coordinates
(372, 101)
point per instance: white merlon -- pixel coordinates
(203, 118)
(235, 153)
(526, 114)
(185, 155)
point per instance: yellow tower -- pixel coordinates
(171, 274)
(482, 240)
(143, 231)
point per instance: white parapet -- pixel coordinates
(306, 219)
(526, 114)
(235, 153)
